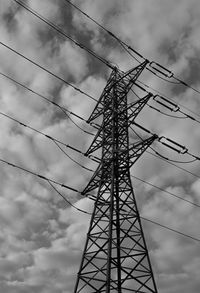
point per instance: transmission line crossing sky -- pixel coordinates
(56, 57)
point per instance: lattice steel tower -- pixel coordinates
(115, 257)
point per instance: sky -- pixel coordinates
(41, 236)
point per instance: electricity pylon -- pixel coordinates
(115, 257)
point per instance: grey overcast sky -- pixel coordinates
(41, 237)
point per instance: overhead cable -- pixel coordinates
(75, 190)
(39, 176)
(171, 229)
(172, 144)
(167, 103)
(152, 64)
(163, 95)
(73, 160)
(67, 201)
(173, 164)
(81, 45)
(166, 191)
(56, 141)
(60, 31)
(51, 181)
(48, 71)
(67, 112)
(162, 156)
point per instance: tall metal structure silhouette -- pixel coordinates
(115, 257)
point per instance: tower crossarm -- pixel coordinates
(124, 82)
(137, 149)
(134, 109)
(126, 159)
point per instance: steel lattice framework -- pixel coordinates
(115, 257)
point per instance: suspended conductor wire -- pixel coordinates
(159, 92)
(171, 229)
(168, 115)
(77, 89)
(137, 96)
(73, 160)
(39, 176)
(165, 191)
(56, 141)
(190, 117)
(128, 46)
(127, 51)
(67, 201)
(48, 71)
(45, 178)
(64, 110)
(75, 190)
(165, 158)
(60, 31)
(167, 80)
(161, 112)
(174, 161)
(187, 85)
(186, 116)
(91, 52)
(178, 167)
(85, 131)
(103, 28)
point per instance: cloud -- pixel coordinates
(41, 236)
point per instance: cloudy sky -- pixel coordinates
(41, 236)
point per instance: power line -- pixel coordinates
(73, 160)
(39, 176)
(55, 27)
(174, 161)
(56, 141)
(159, 68)
(42, 18)
(67, 201)
(159, 92)
(165, 191)
(172, 106)
(171, 229)
(103, 28)
(63, 109)
(48, 71)
(41, 97)
(76, 88)
(163, 100)
(164, 79)
(51, 181)
(178, 167)
(84, 47)
(168, 143)
(144, 218)
(170, 162)
(166, 227)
